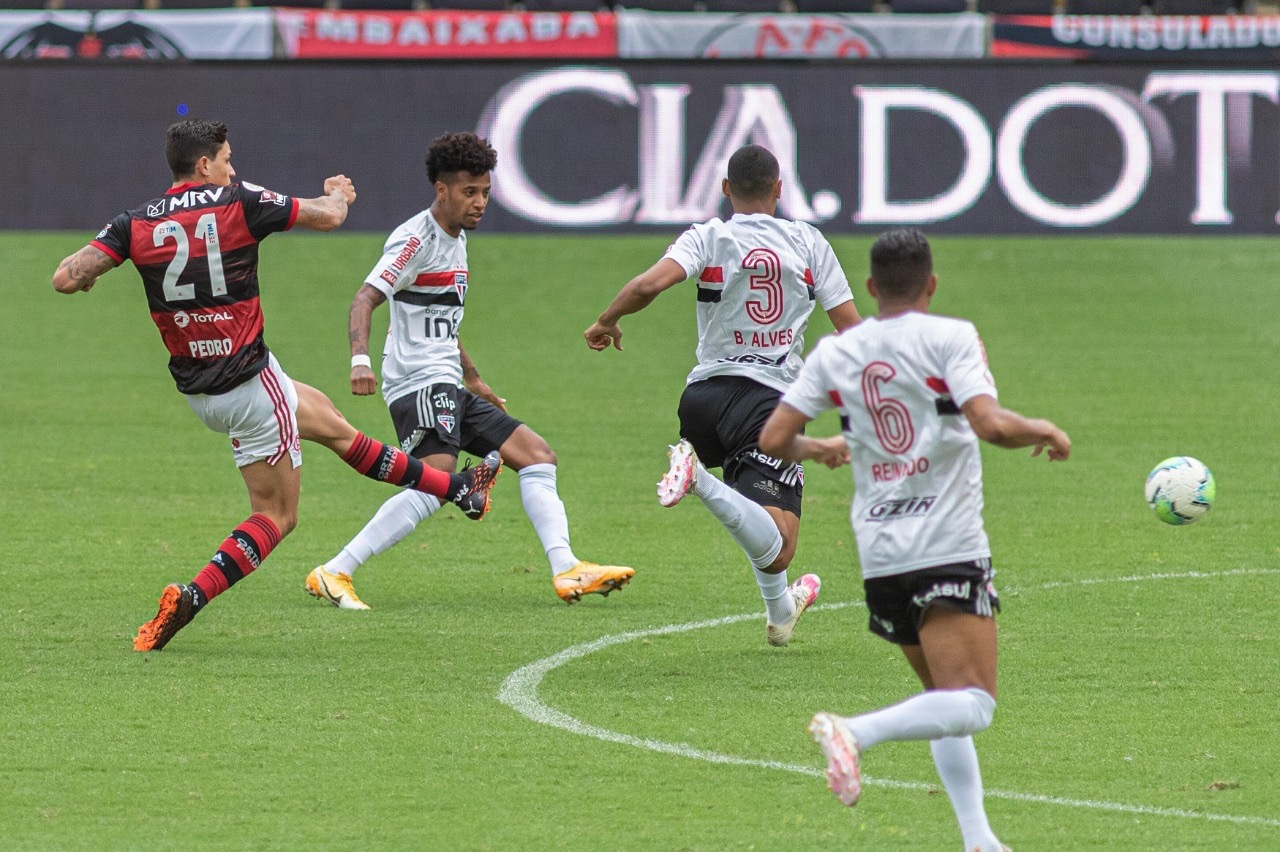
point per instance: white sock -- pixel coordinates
(777, 603)
(394, 520)
(747, 522)
(957, 762)
(545, 509)
(928, 716)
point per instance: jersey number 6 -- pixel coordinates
(890, 417)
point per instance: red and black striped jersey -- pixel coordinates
(196, 248)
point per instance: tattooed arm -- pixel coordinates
(363, 381)
(81, 270)
(329, 210)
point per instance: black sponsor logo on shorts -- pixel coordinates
(768, 486)
(959, 591)
(893, 510)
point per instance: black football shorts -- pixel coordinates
(896, 604)
(446, 418)
(722, 417)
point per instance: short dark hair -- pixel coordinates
(901, 263)
(752, 172)
(459, 152)
(188, 141)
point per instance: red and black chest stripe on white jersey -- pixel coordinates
(448, 288)
(711, 284)
(943, 403)
(838, 402)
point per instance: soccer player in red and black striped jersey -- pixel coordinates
(196, 248)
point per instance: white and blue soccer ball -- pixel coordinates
(1180, 490)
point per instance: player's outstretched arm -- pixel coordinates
(329, 210)
(783, 437)
(637, 295)
(1005, 428)
(79, 272)
(359, 320)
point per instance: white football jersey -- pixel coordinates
(758, 277)
(423, 274)
(898, 384)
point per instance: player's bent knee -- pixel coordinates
(984, 708)
(286, 522)
(533, 456)
(783, 560)
(526, 448)
(539, 451)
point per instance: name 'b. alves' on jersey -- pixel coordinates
(758, 279)
(196, 248)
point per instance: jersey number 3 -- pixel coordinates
(207, 230)
(768, 281)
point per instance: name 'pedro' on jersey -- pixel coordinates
(196, 248)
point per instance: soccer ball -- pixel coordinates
(1180, 490)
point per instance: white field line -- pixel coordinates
(520, 692)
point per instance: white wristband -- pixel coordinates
(360, 361)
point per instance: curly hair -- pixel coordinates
(459, 152)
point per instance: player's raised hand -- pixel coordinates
(599, 336)
(343, 184)
(363, 381)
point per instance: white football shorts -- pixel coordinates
(260, 416)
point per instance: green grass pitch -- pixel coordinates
(1137, 701)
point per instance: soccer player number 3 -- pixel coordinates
(207, 230)
(768, 278)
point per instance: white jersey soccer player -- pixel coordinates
(439, 404)
(899, 385)
(758, 277)
(915, 398)
(423, 273)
